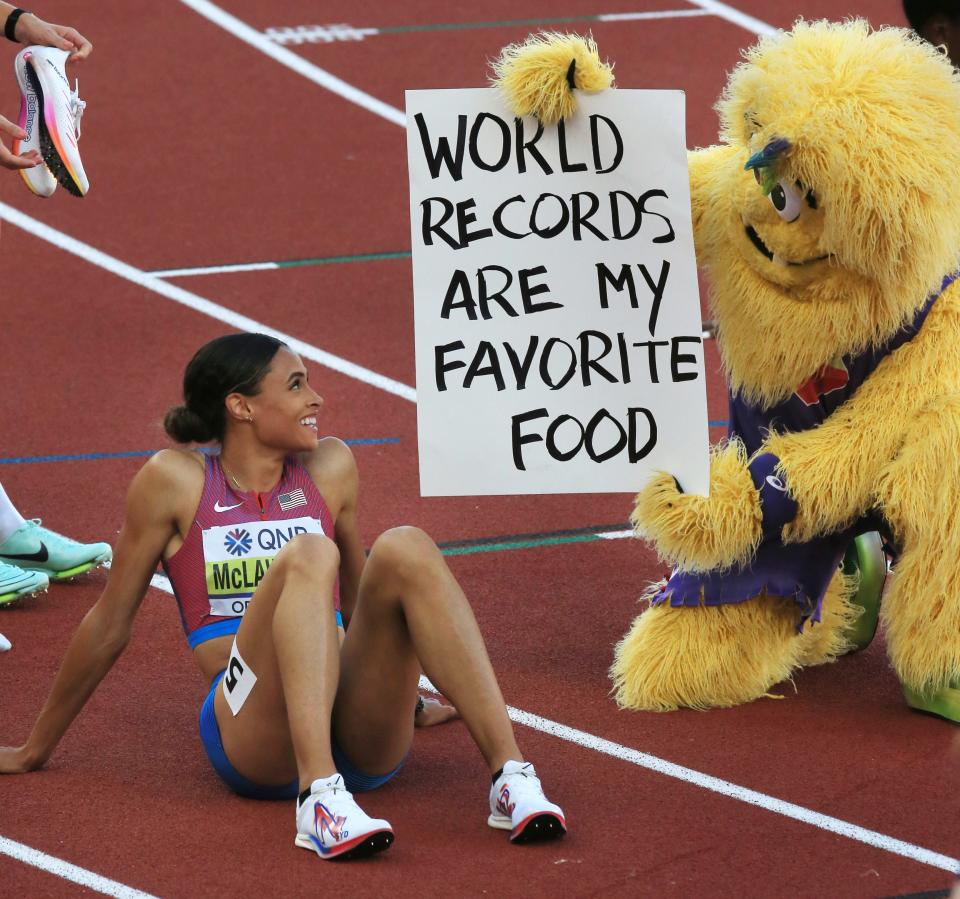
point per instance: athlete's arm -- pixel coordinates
(334, 471)
(149, 525)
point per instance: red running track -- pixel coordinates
(203, 151)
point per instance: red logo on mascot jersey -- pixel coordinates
(831, 377)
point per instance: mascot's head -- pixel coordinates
(833, 210)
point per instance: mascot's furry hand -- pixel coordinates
(701, 533)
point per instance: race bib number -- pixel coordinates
(237, 556)
(238, 681)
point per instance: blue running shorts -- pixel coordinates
(356, 781)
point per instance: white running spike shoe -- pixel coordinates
(5, 645)
(334, 826)
(39, 179)
(517, 804)
(62, 111)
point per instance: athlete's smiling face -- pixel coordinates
(284, 412)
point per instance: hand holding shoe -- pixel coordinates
(8, 159)
(32, 30)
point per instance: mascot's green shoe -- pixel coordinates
(866, 557)
(945, 702)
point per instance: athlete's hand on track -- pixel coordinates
(16, 760)
(33, 30)
(434, 712)
(7, 159)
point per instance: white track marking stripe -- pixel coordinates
(659, 14)
(216, 269)
(742, 794)
(731, 790)
(615, 535)
(199, 304)
(724, 11)
(67, 871)
(292, 61)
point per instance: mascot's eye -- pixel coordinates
(787, 201)
(808, 195)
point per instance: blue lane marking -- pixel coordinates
(85, 457)
(718, 424)
(14, 460)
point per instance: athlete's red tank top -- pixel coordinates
(232, 541)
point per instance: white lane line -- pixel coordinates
(658, 14)
(342, 32)
(731, 790)
(216, 269)
(199, 304)
(615, 535)
(324, 79)
(67, 871)
(741, 794)
(291, 60)
(724, 11)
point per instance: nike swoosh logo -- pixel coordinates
(40, 556)
(218, 508)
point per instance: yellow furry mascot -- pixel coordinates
(828, 220)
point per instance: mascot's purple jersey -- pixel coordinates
(798, 571)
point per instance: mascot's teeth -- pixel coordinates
(779, 260)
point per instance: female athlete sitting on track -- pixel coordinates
(262, 548)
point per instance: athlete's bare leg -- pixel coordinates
(411, 613)
(289, 639)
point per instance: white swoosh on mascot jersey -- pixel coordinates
(218, 508)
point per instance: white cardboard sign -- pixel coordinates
(556, 305)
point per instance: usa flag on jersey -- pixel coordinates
(291, 500)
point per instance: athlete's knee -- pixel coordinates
(404, 551)
(311, 555)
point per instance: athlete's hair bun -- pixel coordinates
(234, 363)
(185, 426)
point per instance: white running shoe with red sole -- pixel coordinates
(331, 824)
(517, 804)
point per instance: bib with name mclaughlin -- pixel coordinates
(232, 542)
(236, 557)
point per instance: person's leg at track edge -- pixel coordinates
(15, 582)
(411, 613)
(288, 638)
(289, 641)
(36, 550)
